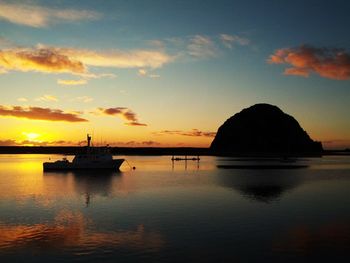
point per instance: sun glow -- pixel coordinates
(31, 136)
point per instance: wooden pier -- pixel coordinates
(185, 158)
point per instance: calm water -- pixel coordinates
(170, 213)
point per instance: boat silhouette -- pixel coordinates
(90, 158)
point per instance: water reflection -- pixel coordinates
(327, 238)
(261, 185)
(73, 229)
(87, 183)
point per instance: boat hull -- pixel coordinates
(112, 165)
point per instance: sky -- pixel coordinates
(162, 73)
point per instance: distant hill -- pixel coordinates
(263, 129)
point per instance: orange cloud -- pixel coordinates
(39, 59)
(8, 143)
(124, 113)
(330, 63)
(193, 133)
(37, 113)
(135, 123)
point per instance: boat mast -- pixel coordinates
(88, 140)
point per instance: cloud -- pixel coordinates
(8, 143)
(39, 59)
(332, 63)
(98, 76)
(37, 113)
(154, 76)
(84, 99)
(22, 99)
(193, 132)
(230, 40)
(135, 123)
(71, 82)
(201, 47)
(142, 72)
(47, 98)
(38, 16)
(139, 58)
(76, 61)
(47, 143)
(35, 143)
(124, 113)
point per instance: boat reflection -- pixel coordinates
(86, 183)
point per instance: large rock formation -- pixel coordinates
(263, 129)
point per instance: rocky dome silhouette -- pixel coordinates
(263, 129)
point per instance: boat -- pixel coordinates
(90, 158)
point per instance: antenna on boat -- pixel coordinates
(88, 140)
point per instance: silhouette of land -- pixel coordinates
(114, 150)
(191, 151)
(263, 129)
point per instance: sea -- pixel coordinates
(218, 209)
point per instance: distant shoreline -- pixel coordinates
(146, 151)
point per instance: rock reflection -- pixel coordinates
(261, 185)
(72, 229)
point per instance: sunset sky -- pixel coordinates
(169, 73)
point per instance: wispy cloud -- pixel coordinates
(71, 82)
(193, 133)
(230, 40)
(38, 113)
(22, 99)
(142, 72)
(76, 61)
(47, 98)
(141, 58)
(332, 63)
(124, 113)
(84, 99)
(39, 16)
(201, 47)
(154, 76)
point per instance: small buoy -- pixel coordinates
(133, 167)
